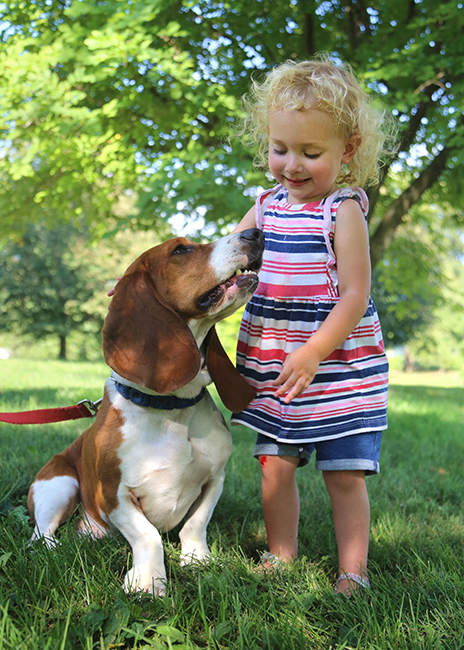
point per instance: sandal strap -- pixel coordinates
(274, 560)
(354, 577)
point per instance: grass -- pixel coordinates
(72, 598)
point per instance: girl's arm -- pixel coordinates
(248, 221)
(351, 246)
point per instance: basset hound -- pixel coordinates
(156, 452)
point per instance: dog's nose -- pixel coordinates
(253, 235)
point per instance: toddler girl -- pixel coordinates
(310, 340)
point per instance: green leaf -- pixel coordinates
(117, 619)
(4, 558)
(170, 633)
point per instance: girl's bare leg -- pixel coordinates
(351, 514)
(281, 504)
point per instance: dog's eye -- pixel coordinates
(181, 250)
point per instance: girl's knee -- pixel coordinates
(345, 480)
(285, 465)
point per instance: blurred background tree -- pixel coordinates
(419, 292)
(53, 285)
(47, 285)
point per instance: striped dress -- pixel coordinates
(298, 288)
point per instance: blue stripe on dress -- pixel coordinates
(330, 428)
(295, 310)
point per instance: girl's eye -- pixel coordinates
(312, 156)
(279, 152)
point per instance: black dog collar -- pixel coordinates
(163, 402)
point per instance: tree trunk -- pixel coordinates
(62, 354)
(382, 237)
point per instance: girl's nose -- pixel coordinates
(293, 164)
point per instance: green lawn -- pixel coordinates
(72, 597)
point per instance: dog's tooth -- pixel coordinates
(239, 272)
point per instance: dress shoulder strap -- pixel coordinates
(263, 201)
(356, 193)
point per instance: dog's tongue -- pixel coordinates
(213, 296)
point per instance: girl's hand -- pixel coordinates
(297, 373)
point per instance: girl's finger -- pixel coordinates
(297, 389)
(286, 386)
(111, 291)
(281, 378)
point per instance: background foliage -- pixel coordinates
(40, 278)
(111, 98)
(119, 115)
(53, 286)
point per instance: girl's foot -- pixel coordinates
(348, 583)
(269, 562)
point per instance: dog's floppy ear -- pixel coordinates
(145, 341)
(234, 391)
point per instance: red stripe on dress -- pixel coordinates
(291, 291)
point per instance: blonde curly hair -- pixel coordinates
(332, 88)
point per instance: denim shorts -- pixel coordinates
(360, 451)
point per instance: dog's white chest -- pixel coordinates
(165, 462)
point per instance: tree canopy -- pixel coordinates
(102, 100)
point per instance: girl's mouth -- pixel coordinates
(296, 182)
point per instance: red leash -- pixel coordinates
(84, 409)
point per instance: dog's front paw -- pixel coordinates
(50, 541)
(136, 582)
(194, 554)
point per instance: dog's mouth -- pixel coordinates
(243, 278)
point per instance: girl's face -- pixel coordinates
(305, 153)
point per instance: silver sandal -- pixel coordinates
(272, 559)
(352, 577)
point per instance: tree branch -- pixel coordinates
(356, 15)
(396, 212)
(407, 139)
(308, 35)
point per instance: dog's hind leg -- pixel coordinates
(52, 498)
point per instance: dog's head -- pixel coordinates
(146, 336)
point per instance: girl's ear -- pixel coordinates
(351, 148)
